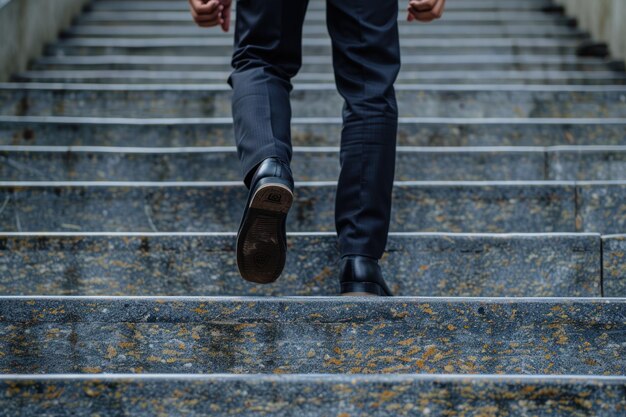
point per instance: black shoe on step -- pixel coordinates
(360, 275)
(262, 239)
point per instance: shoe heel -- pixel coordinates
(261, 249)
(362, 289)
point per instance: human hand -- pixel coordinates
(425, 10)
(207, 13)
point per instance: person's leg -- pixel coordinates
(267, 55)
(366, 59)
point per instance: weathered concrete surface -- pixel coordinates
(311, 396)
(549, 336)
(614, 265)
(419, 131)
(310, 100)
(27, 25)
(458, 207)
(604, 19)
(547, 265)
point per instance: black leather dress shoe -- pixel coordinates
(360, 275)
(262, 239)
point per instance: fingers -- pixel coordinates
(206, 13)
(425, 10)
(225, 22)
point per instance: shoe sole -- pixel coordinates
(261, 249)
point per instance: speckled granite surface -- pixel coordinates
(421, 164)
(223, 165)
(602, 207)
(472, 132)
(313, 396)
(313, 335)
(614, 265)
(427, 207)
(436, 265)
(202, 101)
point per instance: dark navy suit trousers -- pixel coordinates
(366, 61)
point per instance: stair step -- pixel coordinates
(318, 17)
(219, 46)
(312, 335)
(493, 207)
(433, 77)
(319, 100)
(322, 63)
(419, 131)
(63, 163)
(487, 5)
(310, 395)
(320, 30)
(518, 265)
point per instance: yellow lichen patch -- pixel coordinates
(451, 327)
(337, 350)
(199, 310)
(153, 358)
(343, 415)
(111, 352)
(449, 368)
(406, 342)
(399, 315)
(334, 361)
(310, 353)
(91, 370)
(426, 309)
(376, 328)
(430, 351)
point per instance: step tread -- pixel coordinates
(414, 264)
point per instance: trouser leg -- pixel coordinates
(366, 60)
(267, 55)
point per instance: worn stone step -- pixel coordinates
(323, 64)
(430, 31)
(310, 100)
(286, 395)
(214, 46)
(419, 131)
(553, 336)
(317, 17)
(63, 163)
(494, 207)
(614, 254)
(496, 265)
(458, 76)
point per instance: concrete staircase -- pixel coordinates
(120, 195)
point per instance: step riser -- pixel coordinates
(435, 265)
(321, 102)
(273, 397)
(477, 17)
(567, 50)
(420, 133)
(321, 31)
(208, 66)
(314, 6)
(435, 77)
(462, 165)
(492, 208)
(312, 336)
